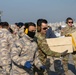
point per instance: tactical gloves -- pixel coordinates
(28, 65)
(42, 68)
(64, 53)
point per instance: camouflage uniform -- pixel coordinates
(65, 31)
(21, 32)
(68, 30)
(6, 41)
(44, 49)
(24, 50)
(15, 34)
(18, 33)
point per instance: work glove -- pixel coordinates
(43, 67)
(64, 53)
(28, 65)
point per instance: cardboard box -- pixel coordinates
(60, 44)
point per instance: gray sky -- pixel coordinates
(31, 10)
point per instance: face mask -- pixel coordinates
(31, 34)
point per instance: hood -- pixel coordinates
(2, 32)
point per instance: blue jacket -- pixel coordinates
(50, 33)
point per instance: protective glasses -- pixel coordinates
(70, 22)
(45, 28)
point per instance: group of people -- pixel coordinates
(24, 49)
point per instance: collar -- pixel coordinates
(29, 38)
(3, 29)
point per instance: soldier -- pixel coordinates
(70, 28)
(43, 47)
(24, 52)
(18, 30)
(21, 29)
(6, 41)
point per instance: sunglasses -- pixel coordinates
(45, 28)
(70, 22)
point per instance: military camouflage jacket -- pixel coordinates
(68, 30)
(23, 50)
(6, 41)
(44, 49)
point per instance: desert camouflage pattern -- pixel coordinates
(6, 41)
(74, 58)
(24, 50)
(15, 34)
(21, 32)
(67, 30)
(18, 33)
(44, 49)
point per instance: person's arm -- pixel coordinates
(16, 54)
(5, 51)
(37, 61)
(42, 43)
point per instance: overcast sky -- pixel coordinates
(31, 10)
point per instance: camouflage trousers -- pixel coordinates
(74, 58)
(65, 63)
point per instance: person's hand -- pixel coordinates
(43, 67)
(28, 65)
(64, 53)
